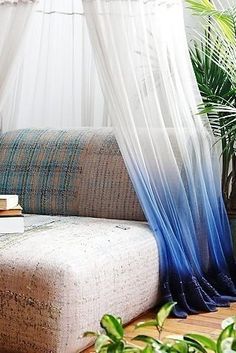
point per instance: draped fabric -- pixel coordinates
(144, 67)
(14, 16)
(56, 85)
(61, 89)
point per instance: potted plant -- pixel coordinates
(112, 337)
(213, 55)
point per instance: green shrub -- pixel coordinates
(213, 56)
(112, 339)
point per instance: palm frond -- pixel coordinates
(224, 19)
(213, 56)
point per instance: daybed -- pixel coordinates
(87, 249)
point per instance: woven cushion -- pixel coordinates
(51, 294)
(75, 172)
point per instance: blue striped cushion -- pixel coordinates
(71, 172)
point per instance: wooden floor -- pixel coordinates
(208, 324)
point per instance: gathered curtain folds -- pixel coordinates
(61, 88)
(14, 17)
(145, 71)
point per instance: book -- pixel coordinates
(16, 211)
(8, 201)
(9, 225)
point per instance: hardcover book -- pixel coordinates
(16, 211)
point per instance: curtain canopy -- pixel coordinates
(61, 89)
(144, 66)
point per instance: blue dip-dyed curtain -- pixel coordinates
(143, 62)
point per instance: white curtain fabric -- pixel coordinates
(57, 84)
(14, 16)
(144, 66)
(61, 89)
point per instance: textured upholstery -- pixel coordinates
(64, 273)
(60, 276)
(75, 172)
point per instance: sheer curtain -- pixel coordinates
(61, 89)
(57, 84)
(144, 66)
(14, 16)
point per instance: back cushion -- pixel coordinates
(72, 172)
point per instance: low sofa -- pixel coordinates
(87, 248)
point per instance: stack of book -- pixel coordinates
(11, 217)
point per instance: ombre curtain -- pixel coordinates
(14, 17)
(144, 67)
(56, 84)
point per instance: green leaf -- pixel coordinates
(113, 327)
(103, 349)
(131, 349)
(151, 323)
(148, 349)
(226, 333)
(226, 345)
(234, 345)
(229, 321)
(223, 19)
(206, 342)
(146, 339)
(180, 347)
(91, 334)
(102, 341)
(175, 337)
(116, 347)
(193, 343)
(164, 312)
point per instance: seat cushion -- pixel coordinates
(60, 276)
(68, 172)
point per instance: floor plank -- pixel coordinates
(207, 323)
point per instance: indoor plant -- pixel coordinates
(112, 339)
(213, 55)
